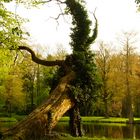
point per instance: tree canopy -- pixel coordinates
(137, 1)
(11, 33)
(81, 38)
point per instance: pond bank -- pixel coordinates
(65, 136)
(96, 128)
(8, 119)
(89, 119)
(103, 120)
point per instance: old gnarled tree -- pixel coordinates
(76, 85)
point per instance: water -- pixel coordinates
(6, 125)
(107, 130)
(99, 130)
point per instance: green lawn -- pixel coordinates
(89, 119)
(8, 119)
(103, 119)
(14, 118)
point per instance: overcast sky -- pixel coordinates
(114, 16)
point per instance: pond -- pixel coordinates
(108, 130)
(5, 125)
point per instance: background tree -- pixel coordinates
(115, 82)
(29, 70)
(103, 62)
(127, 42)
(136, 86)
(5, 63)
(11, 34)
(12, 95)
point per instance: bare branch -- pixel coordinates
(56, 18)
(62, 2)
(46, 1)
(95, 30)
(15, 58)
(62, 13)
(40, 61)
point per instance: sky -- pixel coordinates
(114, 17)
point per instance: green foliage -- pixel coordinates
(138, 4)
(11, 92)
(46, 82)
(13, 95)
(37, 80)
(81, 23)
(6, 0)
(5, 62)
(6, 119)
(83, 63)
(137, 1)
(10, 30)
(5, 68)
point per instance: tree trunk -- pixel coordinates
(130, 110)
(43, 119)
(106, 108)
(75, 122)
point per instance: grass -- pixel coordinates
(102, 119)
(7, 119)
(14, 118)
(88, 119)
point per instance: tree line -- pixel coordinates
(24, 85)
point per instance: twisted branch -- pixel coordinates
(40, 61)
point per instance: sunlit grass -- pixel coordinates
(102, 119)
(87, 119)
(8, 119)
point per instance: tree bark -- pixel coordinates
(43, 119)
(75, 122)
(40, 61)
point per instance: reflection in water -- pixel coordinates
(6, 125)
(105, 130)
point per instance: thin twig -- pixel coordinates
(15, 58)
